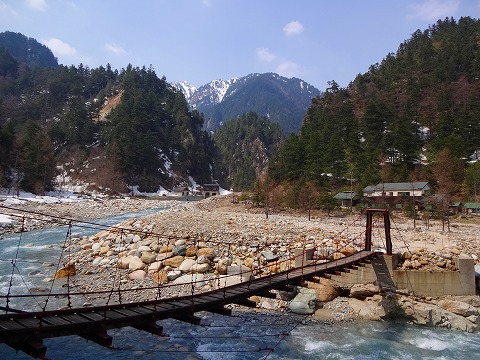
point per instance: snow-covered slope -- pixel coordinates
(187, 89)
(206, 95)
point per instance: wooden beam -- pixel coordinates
(100, 337)
(150, 327)
(220, 310)
(246, 302)
(189, 318)
(33, 347)
(286, 288)
(268, 294)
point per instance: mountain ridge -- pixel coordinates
(27, 50)
(282, 100)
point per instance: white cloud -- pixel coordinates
(117, 50)
(432, 10)
(40, 5)
(288, 69)
(265, 55)
(207, 2)
(59, 47)
(293, 28)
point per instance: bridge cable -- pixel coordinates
(283, 337)
(122, 244)
(193, 278)
(87, 224)
(159, 276)
(401, 237)
(69, 249)
(14, 261)
(57, 268)
(107, 291)
(122, 229)
(113, 288)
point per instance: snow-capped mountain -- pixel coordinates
(281, 99)
(187, 89)
(206, 95)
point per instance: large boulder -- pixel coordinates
(200, 268)
(186, 265)
(135, 263)
(180, 249)
(163, 256)
(208, 252)
(155, 266)
(432, 315)
(241, 271)
(165, 249)
(131, 262)
(458, 307)
(362, 291)
(174, 261)
(367, 310)
(173, 274)
(148, 257)
(137, 275)
(159, 277)
(338, 256)
(222, 266)
(304, 302)
(348, 250)
(142, 249)
(229, 280)
(197, 279)
(325, 290)
(191, 251)
(96, 248)
(66, 271)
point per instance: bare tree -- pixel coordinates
(446, 170)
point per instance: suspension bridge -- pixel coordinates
(25, 330)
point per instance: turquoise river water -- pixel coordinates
(249, 335)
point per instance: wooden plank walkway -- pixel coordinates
(17, 329)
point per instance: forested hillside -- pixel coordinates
(415, 115)
(246, 144)
(27, 50)
(50, 129)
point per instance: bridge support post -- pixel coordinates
(388, 238)
(100, 337)
(150, 327)
(368, 230)
(303, 256)
(33, 347)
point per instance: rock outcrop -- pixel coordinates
(458, 313)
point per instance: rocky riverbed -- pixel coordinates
(214, 243)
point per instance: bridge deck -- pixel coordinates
(18, 328)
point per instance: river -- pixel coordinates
(249, 335)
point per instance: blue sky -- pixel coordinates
(202, 40)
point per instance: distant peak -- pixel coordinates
(185, 87)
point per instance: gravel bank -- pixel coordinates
(29, 212)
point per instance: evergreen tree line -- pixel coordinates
(51, 127)
(415, 116)
(246, 145)
(412, 117)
